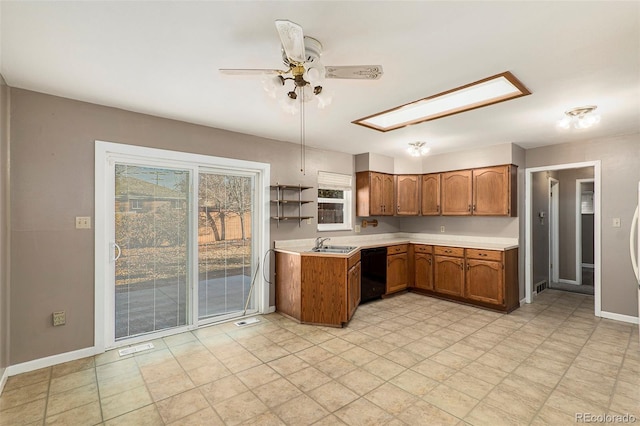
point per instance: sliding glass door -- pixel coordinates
(178, 241)
(225, 244)
(152, 238)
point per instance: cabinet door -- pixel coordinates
(430, 195)
(407, 195)
(456, 193)
(449, 275)
(353, 286)
(423, 271)
(396, 272)
(376, 202)
(387, 195)
(491, 191)
(484, 281)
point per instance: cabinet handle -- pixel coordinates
(467, 266)
(474, 207)
(462, 266)
(429, 261)
(469, 208)
(482, 254)
(447, 251)
(398, 208)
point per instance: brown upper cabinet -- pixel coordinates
(374, 194)
(494, 191)
(407, 195)
(488, 191)
(430, 195)
(456, 193)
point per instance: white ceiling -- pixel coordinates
(162, 58)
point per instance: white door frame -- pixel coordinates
(554, 230)
(579, 183)
(104, 252)
(528, 272)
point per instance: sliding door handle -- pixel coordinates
(116, 247)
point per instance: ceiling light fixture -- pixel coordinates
(579, 117)
(491, 90)
(417, 149)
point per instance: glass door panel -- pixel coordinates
(152, 241)
(225, 223)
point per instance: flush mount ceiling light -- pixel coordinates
(417, 149)
(491, 90)
(579, 118)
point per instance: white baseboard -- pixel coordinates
(523, 301)
(3, 379)
(619, 317)
(36, 364)
(573, 282)
(271, 310)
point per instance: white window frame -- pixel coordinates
(106, 152)
(342, 182)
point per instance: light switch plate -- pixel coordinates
(357, 229)
(441, 228)
(59, 318)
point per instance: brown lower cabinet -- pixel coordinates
(487, 278)
(397, 268)
(316, 289)
(423, 267)
(448, 275)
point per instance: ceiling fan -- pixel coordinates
(301, 54)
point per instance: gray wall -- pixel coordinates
(620, 157)
(540, 227)
(567, 243)
(4, 226)
(52, 181)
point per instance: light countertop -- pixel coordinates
(303, 247)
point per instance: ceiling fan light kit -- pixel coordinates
(579, 118)
(301, 54)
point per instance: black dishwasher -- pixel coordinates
(374, 273)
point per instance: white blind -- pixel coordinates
(329, 180)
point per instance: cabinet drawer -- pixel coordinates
(400, 248)
(484, 254)
(421, 248)
(353, 260)
(448, 251)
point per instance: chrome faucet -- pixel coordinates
(320, 242)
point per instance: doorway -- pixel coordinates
(565, 238)
(178, 238)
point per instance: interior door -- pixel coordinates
(152, 249)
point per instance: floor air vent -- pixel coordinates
(134, 349)
(247, 321)
(542, 285)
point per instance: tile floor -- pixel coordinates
(409, 359)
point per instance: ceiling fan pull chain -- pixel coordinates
(302, 132)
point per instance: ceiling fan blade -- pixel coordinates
(292, 39)
(358, 72)
(251, 71)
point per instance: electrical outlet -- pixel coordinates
(357, 229)
(616, 222)
(441, 228)
(309, 221)
(59, 318)
(83, 222)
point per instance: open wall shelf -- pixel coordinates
(288, 202)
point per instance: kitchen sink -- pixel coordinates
(333, 249)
